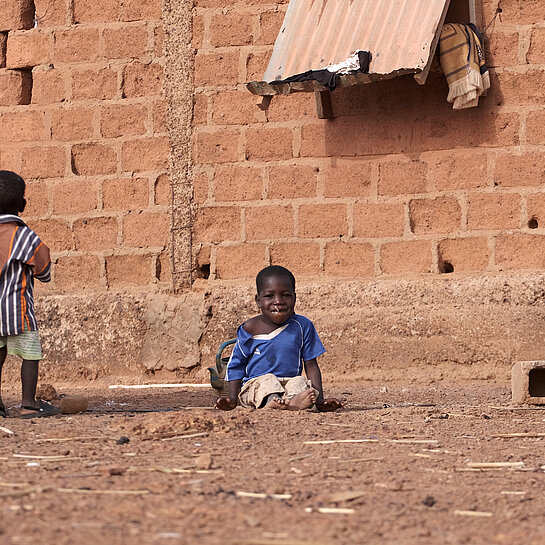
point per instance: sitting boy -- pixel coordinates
(23, 257)
(265, 368)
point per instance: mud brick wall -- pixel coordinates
(398, 183)
(83, 119)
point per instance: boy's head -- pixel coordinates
(12, 193)
(275, 294)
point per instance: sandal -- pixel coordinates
(45, 409)
(3, 412)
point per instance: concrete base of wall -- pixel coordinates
(421, 330)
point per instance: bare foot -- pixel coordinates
(225, 404)
(328, 405)
(299, 402)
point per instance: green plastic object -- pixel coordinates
(217, 373)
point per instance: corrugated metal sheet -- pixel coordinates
(400, 34)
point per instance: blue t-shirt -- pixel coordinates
(281, 352)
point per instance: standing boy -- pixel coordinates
(23, 257)
(272, 349)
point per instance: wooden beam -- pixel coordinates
(324, 110)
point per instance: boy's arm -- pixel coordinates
(41, 262)
(231, 401)
(315, 376)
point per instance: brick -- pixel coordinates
(216, 69)
(144, 229)
(55, 233)
(351, 260)
(10, 159)
(100, 11)
(517, 89)
(77, 272)
(37, 198)
(348, 178)
(75, 196)
(215, 3)
(256, 64)
(28, 48)
(535, 127)
(535, 206)
(398, 177)
(270, 23)
(536, 52)
(159, 116)
(200, 187)
(493, 211)
(128, 270)
(379, 220)
(142, 80)
(3, 44)
(15, 87)
(231, 29)
(234, 108)
(406, 257)
(163, 191)
(322, 220)
(269, 143)
(297, 106)
(491, 129)
(241, 261)
(22, 126)
(123, 120)
(301, 258)
(454, 170)
(235, 183)
(96, 233)
(440, 215)
(200, 109)
(91, 159)
(518, 12)
(198, 32)
(145, 154)
(528, 383)
(141, 10)
(463, 254)
(49, 86)
(125, 193)
(520, 170)
(217, 224)
(76, 45)
(501, 49)
(216, 146)
(292, 181)
(43, 162)
(52, 13)
(98, 84)
(74, 123)
(17, 14)
(158, 40)
(520, 251)
(269, 222)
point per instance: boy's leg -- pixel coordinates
(3, 354)
(29, 381)
(255, 392)
(299, 393)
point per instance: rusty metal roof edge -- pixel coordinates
(264, 88)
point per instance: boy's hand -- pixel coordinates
(225, 404)
(328, 405)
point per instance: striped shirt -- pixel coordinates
(23, 256)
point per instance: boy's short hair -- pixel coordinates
(12, 192)
(273, 270)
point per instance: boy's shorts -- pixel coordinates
(27, 345)
(254, 392)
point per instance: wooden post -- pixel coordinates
(324, 110)
(472, 12)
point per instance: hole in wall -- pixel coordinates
(445, 267)
(536, 379)
(203, 271)
(533, 223)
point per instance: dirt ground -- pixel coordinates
(402, 464)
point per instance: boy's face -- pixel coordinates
(276, 300)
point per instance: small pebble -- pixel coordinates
(123, 440)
